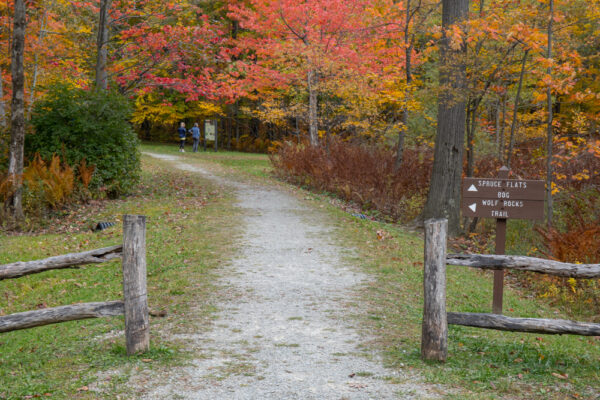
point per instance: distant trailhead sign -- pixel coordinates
(503, 198)
(209, 130)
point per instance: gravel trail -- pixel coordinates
(282, 332)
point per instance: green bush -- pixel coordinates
(93, 125)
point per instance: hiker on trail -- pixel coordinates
(182, 131)
(196, 136)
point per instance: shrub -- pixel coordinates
(92, 125)
(577, 240)
(573, 238)
(360, 173)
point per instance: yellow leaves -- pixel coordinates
(582, 176)
(154, 108)
(84, 29)
(455, 36)
(572, 284)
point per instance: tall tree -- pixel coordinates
(2, 107)
(102, 45)
(443, 199)
(17, 122)
(549, 210)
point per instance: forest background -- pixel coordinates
(344, 94)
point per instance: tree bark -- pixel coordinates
(549, 200)
(102, 45)
(532, 325)
(47, 316)
(471, 125)
(443, 199)
(17, 121)
(72, 260)
(41, 35)
(497, 124)
(513, 126)
(313, 122)
(408, 46)
(502, 129)
(2, 104)
(473, 106)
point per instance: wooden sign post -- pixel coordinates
(502, 198)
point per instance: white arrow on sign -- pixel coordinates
(472, 188)
(473, 207)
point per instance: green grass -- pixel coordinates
(190, 225)
(481, 363)
(257, 165)
(189, 231)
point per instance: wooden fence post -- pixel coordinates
(137, 327)
(434, 336)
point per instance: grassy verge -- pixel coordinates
(256, 165)
(482, 363)
(189, 229)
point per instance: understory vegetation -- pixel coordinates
(83, 147)
(181, 208)
(87, 359)
(366, 176)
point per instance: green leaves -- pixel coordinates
(77, 124)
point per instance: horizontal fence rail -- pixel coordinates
(523, 263)
(434, 336)
(72, 260)
(134, 306)
(531, 325)
(47, 316)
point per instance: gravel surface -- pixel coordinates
(282, 331)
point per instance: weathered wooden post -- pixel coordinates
(137, 327)
(434, 336)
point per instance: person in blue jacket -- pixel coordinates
(182, 131)
(196, 136)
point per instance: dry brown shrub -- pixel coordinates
(360, 173)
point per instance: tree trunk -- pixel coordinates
(471, 123)
(2, 104)
(102, 45)
(236, 113)
(473, 106)
(313, 123)
(36, 66)
(497, 124)
(443, 199)
(513, 126)
(17, 121)
(502, 127)
(408, 50)
(549, 206)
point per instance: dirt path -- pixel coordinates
(282, 332)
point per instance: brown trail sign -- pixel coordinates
(502, 198)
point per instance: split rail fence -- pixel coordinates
(135, 300)
(434, 338)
